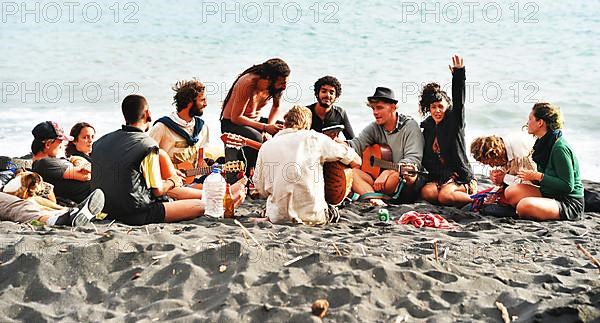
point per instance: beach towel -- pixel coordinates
(420, 220)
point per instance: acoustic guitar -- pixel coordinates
(191, 172)
(378, 157)
(375, 152)
(337, 176)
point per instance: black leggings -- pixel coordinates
(247, 155)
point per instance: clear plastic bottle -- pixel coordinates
(214, 192)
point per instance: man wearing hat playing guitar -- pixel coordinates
(403, 135)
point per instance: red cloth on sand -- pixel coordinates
(424, 220)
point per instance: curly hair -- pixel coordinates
(487, 148)
(432, 93)
(75, 131)
(550, 113)
(186, 92)
(328, 80)
(270, 70)
(298, 117)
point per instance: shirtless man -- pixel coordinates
(242, 107)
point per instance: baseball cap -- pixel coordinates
(49, 130)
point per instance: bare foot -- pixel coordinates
(238, 192)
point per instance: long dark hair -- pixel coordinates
(270, 70)
(432, 93)
(75, 131)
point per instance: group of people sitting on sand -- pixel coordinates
(139, 174)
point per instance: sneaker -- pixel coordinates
(88, 209)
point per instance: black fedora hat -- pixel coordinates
(383, 94)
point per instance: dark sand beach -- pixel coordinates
(209, 270)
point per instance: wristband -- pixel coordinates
(264, 127)
(172, 181)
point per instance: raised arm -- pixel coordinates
(458, 89)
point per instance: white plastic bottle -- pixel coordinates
(214, 192)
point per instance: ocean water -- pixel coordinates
(76, 61)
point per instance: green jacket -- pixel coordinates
(561, 176)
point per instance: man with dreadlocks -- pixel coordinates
(183, 134)
(248, 95)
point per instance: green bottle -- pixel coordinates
(383, 215)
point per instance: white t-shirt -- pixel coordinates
(519, 158)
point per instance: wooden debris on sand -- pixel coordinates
(589, 255)
(504, 311)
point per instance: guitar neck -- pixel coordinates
(239, 141)
(198, 171)
(395, 166)
(252, 144)
(386, 164)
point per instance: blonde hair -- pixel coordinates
(298, 117)
(488, 147)
(550, 113)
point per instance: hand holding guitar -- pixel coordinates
(408, 172)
